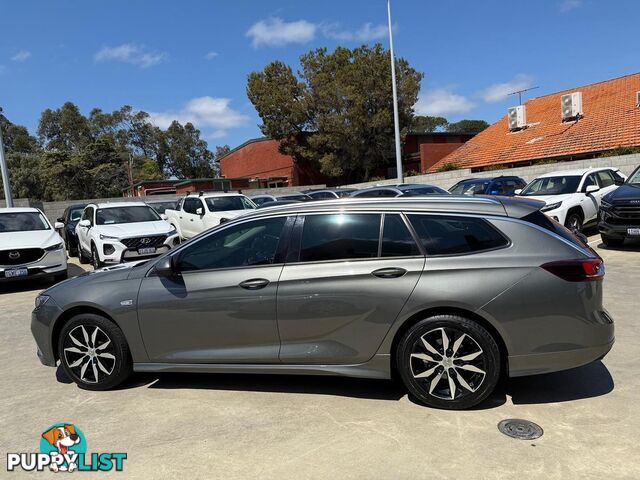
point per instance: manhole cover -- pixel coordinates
(520, 429)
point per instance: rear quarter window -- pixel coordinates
(453, 235)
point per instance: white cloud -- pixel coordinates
(499, 91)
(366, 33)
(442, 101)
(131, 53)
(568, 5)
(21, 56)
(210, 55)
(212, 115)
(274, 31)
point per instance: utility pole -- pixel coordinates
(6, 184)
(396, 119)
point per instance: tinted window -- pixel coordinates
(430, 190)
(590, 180)
(247, 244)
(540, 219)
(322, 195)
(222, 204)
(504, 187)
(396, 239)
(296, 196)
(444, 235)
(605, 178)
(191, 205)
(261, 200)
(470, 188)
(340, 236)
(75, 214)
(88, 214)
(161, 207)
(552, 186)
(111, 216)
(22, 222)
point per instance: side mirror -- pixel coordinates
(591, 189)
(199, 211)
(163, 216)
(165, 267)
(85, 223)
(60, 219)
(58, 225)
(517, 191)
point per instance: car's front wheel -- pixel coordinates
(574, 222)
(95, 258)
(94, 352)
(449, 362)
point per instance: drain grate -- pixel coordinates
(520, 429)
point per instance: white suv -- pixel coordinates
(573, 197)
(29, 246)
(118, 232)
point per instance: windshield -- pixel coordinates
(470, 188)
(634, 179)
(296, 196)
(22, 222)
(552, 186)
(414, 192)
(75, 214)
(113, 215)
(223, 204)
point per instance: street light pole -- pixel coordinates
(396, 119)
(6, 184)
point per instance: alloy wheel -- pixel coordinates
(90, 356)
(448, 363)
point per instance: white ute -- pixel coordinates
(29, 246)
(196, 213)
(573, 197)
(120, 232)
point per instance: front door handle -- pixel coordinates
(391, 272)
(254, 284)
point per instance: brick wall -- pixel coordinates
(430, 153)
(259, 158)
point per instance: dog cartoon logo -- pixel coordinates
(64, 438)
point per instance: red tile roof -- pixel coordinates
(611, 119)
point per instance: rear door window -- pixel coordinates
(397, 241)
(453, 235)
(339, 237)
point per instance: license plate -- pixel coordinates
(16, 272)
(146, 251)
(633, 231)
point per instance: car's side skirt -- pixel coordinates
(378, 367)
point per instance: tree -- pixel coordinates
(467, 126)
(16, 138)
(338, 112)
(187, 155)
(64, 129)
(426, 124)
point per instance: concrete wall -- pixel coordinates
(626, 164)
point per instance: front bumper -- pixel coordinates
(121, 253)
(559, 215)
(42, 320)
(51, 263)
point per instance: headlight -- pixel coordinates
(108, 237)
(551, 206)
(41, 300)
(172, 229)
(605, 205)
(52, 248)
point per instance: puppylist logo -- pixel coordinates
(63, 448)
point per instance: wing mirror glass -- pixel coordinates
(591, 189)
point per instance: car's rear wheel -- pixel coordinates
(94, 352)
(449, 362)
(611, 241)
(574, 222)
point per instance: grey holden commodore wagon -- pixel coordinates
(446, 293)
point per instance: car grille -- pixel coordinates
(144, 242)
(20, 256)
(627, 213)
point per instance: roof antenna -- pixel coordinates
(520, 92)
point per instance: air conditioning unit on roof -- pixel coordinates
(517, 117)
(571, 105)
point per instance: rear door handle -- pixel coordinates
(254, 284)
(391, 272)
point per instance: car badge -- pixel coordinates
(145, 240)
(14, 255)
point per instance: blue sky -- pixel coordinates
(190, 59)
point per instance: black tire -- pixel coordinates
(72, 248)
(95, 258)
(574, 221)
(469, 389)
(119, 368)
(81, 256)
(611, 241)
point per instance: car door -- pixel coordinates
(190, 218)
(342, 287)
(83, 232)
(591, 202)
(220, 306)
(607, 183)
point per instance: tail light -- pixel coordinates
(585, 270)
